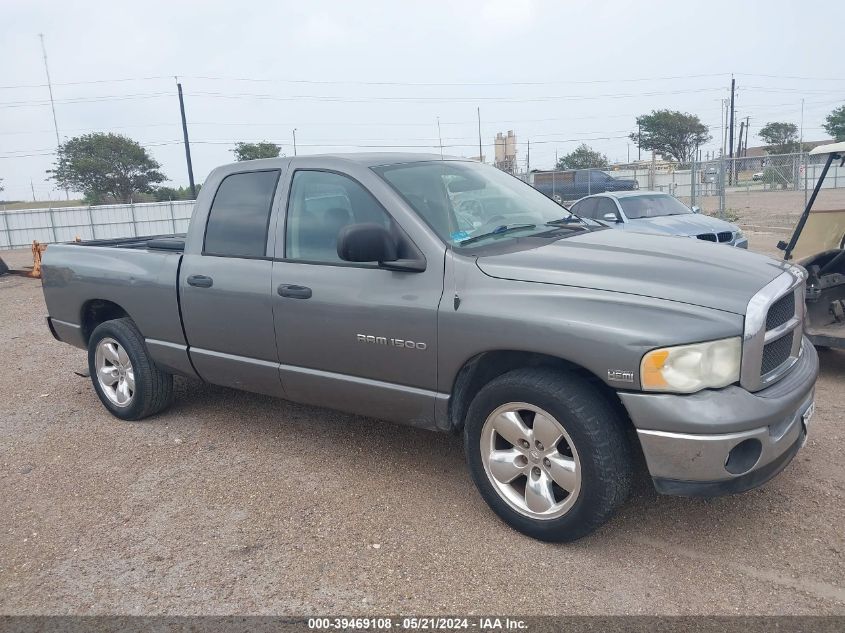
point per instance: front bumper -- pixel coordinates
(724, 441)
(741, 242)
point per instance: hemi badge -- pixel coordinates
(620, 375)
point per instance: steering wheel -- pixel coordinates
(473, 207)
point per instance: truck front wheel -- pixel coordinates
(548, 452)
(125, 378)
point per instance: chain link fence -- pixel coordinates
(764, 195)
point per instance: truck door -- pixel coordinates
(227, 306)
(354, 337)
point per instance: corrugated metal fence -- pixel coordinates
(63, 224)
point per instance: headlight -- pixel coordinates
(739, 235)
(690, 368)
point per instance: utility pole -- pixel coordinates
(480, 154)
(528, 157)
(639, 140)
(747, 125)
(294, 141)
(439, 138)
(739, 142)
(52, 104)
(187, 142)
(731, 131)
(801, 136)
(32, 187)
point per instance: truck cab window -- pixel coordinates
(322, 203)
(240, 215)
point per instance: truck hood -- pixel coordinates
(687, 224)
(672, 268)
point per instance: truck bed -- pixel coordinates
(136, 276)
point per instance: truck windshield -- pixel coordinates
(652, 206)
(470, 203)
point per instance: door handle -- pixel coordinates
(200, 281)
(294, 292)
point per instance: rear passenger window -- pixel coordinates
(240, 214)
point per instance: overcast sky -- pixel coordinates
(357, 75)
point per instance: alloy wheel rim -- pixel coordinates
(114, 372)
(530, 460)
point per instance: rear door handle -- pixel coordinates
(294, 292)
(200, 281)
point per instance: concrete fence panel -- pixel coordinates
(64, 224)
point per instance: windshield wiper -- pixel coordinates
(499, 230)
(578, 218)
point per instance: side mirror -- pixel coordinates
(696, 209)
(374, 243)
(610, 217)
(366, 243)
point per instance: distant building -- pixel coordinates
(760, 152)
(505, 155)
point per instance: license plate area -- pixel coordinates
(805, 422)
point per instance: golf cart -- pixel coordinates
(818, 244)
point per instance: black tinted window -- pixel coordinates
(585, 208)
(240, 213)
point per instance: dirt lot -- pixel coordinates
(236, 503)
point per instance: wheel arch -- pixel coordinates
(486, 366)
(96, 311)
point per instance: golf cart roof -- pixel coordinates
(830, 148)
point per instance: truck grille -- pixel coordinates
(781, 311)
(773, 330)
(776, 354)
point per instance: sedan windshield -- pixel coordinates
(468, 203)
(652, 206)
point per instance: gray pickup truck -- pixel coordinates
(559, 348)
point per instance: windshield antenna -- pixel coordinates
(439, 138)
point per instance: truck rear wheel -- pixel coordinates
(125, 378)
(548, 453)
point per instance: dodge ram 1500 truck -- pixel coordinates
(558, 347)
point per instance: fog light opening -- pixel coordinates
(743, 456)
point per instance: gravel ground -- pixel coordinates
(237, 503)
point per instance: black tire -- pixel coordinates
(597, 428)
(153, 387)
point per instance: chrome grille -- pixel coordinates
(709, 237)
(773, 330)
(775, 354)
(725, 236)
(781, 311)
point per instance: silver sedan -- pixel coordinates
(655, 212)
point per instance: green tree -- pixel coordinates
(163, 194)
(780, 137)
(671, 134)
(105, 166)
(582, 157)
(253, 151)
(834, 124)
